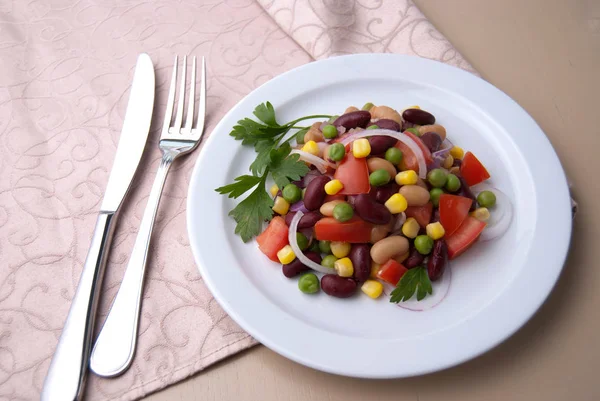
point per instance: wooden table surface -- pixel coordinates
(546, 55)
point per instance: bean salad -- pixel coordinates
(372, 198)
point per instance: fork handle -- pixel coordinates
(114, 349)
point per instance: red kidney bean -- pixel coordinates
(437, 260)
(354, 119)
(371, 211)
(296, 267)
(315, 192)
(432, 140)
(383, 193)
(308, 220)
(379, 143)
(337, 286)
(465, 191)
(414, 259)
(418, 116)
(361, 261)
(456, 163)
(385, 123)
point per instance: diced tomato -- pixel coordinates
(472, 170)
(454, 210)
(409, 159)
(273, 238)
(329, 198)
(464, 237)
(420, 213)
(422, 146)
(354, 230)
(391, 272)
(354, 174)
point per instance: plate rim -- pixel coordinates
(524, 317)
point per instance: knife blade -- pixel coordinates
(66, 376)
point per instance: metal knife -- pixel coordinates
(66, 377)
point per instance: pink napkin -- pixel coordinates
(66, 70)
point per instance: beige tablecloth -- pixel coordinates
(66, 70)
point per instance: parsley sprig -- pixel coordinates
(414, 280)
(273, 157)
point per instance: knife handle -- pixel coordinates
(66, 376)
(115, 346)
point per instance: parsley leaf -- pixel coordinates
(242, 184)
(414, 280)
(263, 158)
(266, 113)
(272, 158)
(250, 213)
(289, 169)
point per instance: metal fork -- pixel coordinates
(115, 346)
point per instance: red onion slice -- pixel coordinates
(294, 244)
(400, 219)
(298, 206)
(500, 215)
(316, 161)
(405, 139)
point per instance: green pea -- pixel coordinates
(413, 131)
(325, 246)
(314, 247)
(300, 136)
(437, 177)
(337, 152)
(291, 193)
(330, 131)
(486, 199)
(434, 195)
(423, 244)
(329, 261)
(373, 127)
(302, 241)
(379, 177)
(393, 155)
(368, 106)
(332, 119)
(453, 183)
(308, 283)
(343, 212)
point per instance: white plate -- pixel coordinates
(496, 286)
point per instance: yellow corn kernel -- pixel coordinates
(396, 203)
(414, 107)
(448, 162)
(372, 288)
(374, 269)
(340, 249)
(408, 177)
(343, 267)
(401, 258)
(481, 214)
(435, 230)
(361, 148)
(333, 187)
(312, 148)
(281, 206)
(411, 228)
(286, 255)
(457, 152)
(274, 189)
